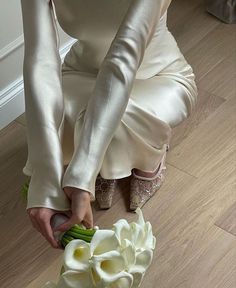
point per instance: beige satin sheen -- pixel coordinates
(111, 105)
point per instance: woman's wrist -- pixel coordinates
(69, 190)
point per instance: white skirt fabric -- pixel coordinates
(111, 105)
(155, 106)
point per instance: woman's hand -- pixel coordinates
(41, 221)
(80, 207)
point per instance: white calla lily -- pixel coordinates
(116, 258)
(143, 261)
(77, 255)
(150, 240)
(137, 279)
(138, 235)
(104, 241)
(109, 266)
(128, 251)
(142, 236)
(122, 229)
(76, 279)
(140, 220)
(125, 281)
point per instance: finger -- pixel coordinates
(49, 234)
(33, 219)
(35, 224)
(88, 219)
(76, 218)
(79, 208)
(68, 213)
(47, 231)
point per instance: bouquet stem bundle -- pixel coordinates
(78, 231)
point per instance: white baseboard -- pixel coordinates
(12, 103)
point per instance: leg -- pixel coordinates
(166, 99)
(171, 102)
(156, 105)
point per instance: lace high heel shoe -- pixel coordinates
(104, 191)
(143, 188)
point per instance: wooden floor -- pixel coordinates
(193, 214)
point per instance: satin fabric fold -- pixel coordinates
(111, 105)
(44, 106)
(111, 92)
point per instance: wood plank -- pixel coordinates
(221, 79)
(211, 265)
(212, 49)
(191, 249)
(179, 10)
(190, 24)
(206, 146)
(51, 273)
(25, 250)
(207, 103)
(21, 119)
(227, 221)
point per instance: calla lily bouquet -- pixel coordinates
(106, 258)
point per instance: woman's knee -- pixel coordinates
(164, 98)
(77, 88)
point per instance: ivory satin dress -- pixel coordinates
(111, 105)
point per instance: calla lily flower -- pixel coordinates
(137, 279)
(128, 252)
(102, 254)
(139, 233)
(137, 242)
(142, 262)
(116, 258)
(75, 279)
(109, 266)
(77, 255)
(122, 230)
(104, 241)
(124, 282)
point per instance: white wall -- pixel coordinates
(11, 60)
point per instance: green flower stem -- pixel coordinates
(79, 236)
(68, 237)
(63, 242)
(66, 241)
(78, 231)
(87, 232)
(24, 190)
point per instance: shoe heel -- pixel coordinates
(142, 188)
(104, 191)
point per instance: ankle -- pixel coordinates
(146, 174)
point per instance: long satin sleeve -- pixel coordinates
(44, 105)
(111, 92)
